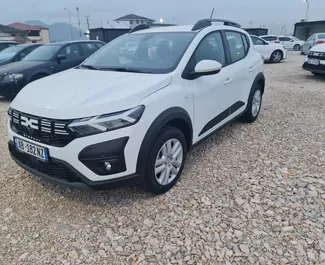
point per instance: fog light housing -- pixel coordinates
(108, 166)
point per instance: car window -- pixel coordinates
(236, 46)
(246, 42)
(43, 53)
(270, 38)
(321, 36)
(210, 48)
(27, 51)
(99, 45)
(71, 51)
(257, 41)
(88, 48)
(311, 37)
(284, 39)
(9, 53)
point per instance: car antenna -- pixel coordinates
(212, 13)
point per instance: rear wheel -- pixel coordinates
(297, 47)
(276, 56)
(254, 105)
(166, 160)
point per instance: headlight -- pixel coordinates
(12, 78)
(99, 124)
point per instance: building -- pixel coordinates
(304, 29)
(257, 31)
(135, 20)
(106, 35)
(34, 34)
(11, 34)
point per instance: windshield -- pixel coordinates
(43, 53)
(147, 52)
(10, 52)
(294, 38)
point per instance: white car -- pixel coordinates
(313, 40)
(291, 42)
(315, 60)
(270, 38)
(120, 122)
(272, 52)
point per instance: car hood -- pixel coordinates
(318, 48)
(78, 93)
(21, 66)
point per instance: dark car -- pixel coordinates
(45, 60)
(16, 53)
(6, 44)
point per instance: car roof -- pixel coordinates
(269, 36)
(61, 43)
(184, 28)
(29, 45)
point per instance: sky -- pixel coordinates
(271, 13)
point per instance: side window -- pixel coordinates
(99, 45)
(311, 37)
(26, 52)
(257, 41)
(88, 48)
(236, 46)
(282, 39)
(71, 51)
(246, 42)
(210, 48)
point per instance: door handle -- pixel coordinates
(251, 69)
(228, 81)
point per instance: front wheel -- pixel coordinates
(166, 160)
(276, 56)
(297, 47)
(254, 105)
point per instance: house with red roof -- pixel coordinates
(34, 34)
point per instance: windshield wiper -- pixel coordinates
(88, 67)
(123, 69)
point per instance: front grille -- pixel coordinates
(47, 131)
(316, 55)
(52, 169)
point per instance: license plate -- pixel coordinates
(313, 61)
(40, 153)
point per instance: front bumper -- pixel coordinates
(320, 69)
(62, 173)
(81, 162)
(8, 89)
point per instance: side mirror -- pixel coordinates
(207, 67)
(266, 43)
(61, 57)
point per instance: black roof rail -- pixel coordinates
(148, 26)
(203, 23)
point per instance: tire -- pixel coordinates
(250, 115)
(297, 47)
(276, 56)
(317, 74)
(157, 164)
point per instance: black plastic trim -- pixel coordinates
(160, 122)
(203, 23)
(222, 116)
(94, 156)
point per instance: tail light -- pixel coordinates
(320, 41)
(277, 41)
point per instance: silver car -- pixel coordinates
(314, 39)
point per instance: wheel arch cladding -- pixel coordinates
(176, 117)
(259, 80)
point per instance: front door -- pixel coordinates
(287, 42)
(73, 57)
(212, 96)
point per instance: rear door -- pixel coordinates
(242, 65)
(262, 47)
(287, 42)
(73, 58)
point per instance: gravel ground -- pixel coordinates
(251, 194)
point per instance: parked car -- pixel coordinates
(313, 40)
(115, 122)
(44, 61)
(16, 53)
(291, 42)
(6, 44)
(315, 60)
(272, 52)
(270, 38)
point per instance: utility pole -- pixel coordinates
(78, 21)
(69, 22)
(87, 18)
